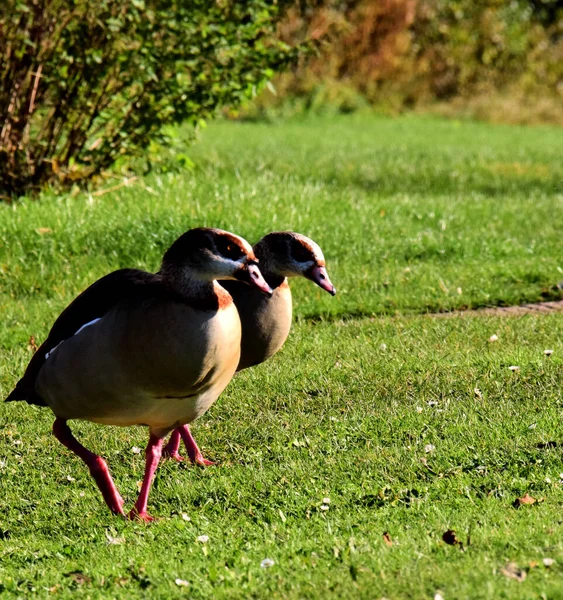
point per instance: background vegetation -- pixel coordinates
(70, 110)
(83, 83)
(487, 58)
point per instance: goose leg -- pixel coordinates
(193, 451)
(96, 464)
(171, 449)
(153, 454)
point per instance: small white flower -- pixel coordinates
(2, 464)
(548, 352)
(82, 494)
(333, 419)
(548, 562)
(136, 450)
(547, 480)
(203, 539)
(478, 393)
(459, 291)
(493, 338)
(514, 368)
(186, 517)
(17, 442)
(432, 403)
(429, 448)
(326, 500)
(325, 507)
(419, 409)
(69, 478)
(532, 426)
(267, 563)
(181, 582)
(383, 347)
(438, 596)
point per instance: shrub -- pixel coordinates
(83, 82)
(402, 53)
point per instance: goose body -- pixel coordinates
(266, 320)
(160, 363)
(139, 348)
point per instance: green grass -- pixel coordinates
(371, 402)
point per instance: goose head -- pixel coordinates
(290, 254)
(205, 254)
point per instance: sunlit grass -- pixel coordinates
(409, 425)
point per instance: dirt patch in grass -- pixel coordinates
(508, 311)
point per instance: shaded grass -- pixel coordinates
(378, 414)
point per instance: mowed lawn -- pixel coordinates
(411, 425)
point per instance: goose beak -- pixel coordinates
(320, 276)
(251, 275)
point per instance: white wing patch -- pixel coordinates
(77, 332)
(88, 324)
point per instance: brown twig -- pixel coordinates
(125, 182)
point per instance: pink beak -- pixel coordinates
(252, 276)
(320, 276)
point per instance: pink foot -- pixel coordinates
(139, 516)
(96, 464)
(173, 456)
(171, 449)
(196, 457)
(153, 454)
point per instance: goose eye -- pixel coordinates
(299, 253)
(230, 250)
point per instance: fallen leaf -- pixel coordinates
(526, 499)
(33, 344)
(43, 230)
(387, 539)
(513, 571)
(114, 541)
(451, 538)
(78, 577)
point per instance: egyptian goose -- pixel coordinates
(266, 321)
(139, 348)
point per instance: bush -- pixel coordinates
(84, 82)
(403, 53)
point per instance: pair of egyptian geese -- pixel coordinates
(138, 348)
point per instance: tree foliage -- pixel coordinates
(83, 82)
(401, 53)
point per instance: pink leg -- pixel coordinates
(153, 454)
(193, 451)
(96, 464)
(171, 449)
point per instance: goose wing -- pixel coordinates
(93, 303)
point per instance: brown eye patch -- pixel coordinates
(229, 249)
(300, 253)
